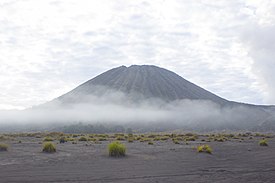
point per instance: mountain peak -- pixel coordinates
(147, 81)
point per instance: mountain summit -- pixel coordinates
(145, 81)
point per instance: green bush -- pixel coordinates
(82, 139)
(263, 142)
(190, 138)
(150, 143)
(102, 139)
(116, 149)
(156, 139)
(4, 147)
(204, 148)
(131, 140)
(163, 138)
(176, 141)
(47, 139)
(49, 147)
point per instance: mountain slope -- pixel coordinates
(144, 81)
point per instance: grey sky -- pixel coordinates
(49, 47)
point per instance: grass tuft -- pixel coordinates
(116, 149)
(49, 147)
(4, 147)
(204, 148)
(83, 139)
(263, 142)
(131, 140)
(176, 141)
(48, 139)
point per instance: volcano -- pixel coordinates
(142, 82)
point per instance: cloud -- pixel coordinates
(259, 40)
(49, 47)
(116, 108)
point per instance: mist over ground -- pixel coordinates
(116, 108)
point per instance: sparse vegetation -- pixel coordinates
(4, 147)
(48, 139)
(121, 138)
(116, 149)
(102, 139)
(263, 142)
(131, 139)
(62, 140)
(204, 148)
(176, 141)
(144, 139)
(82, 139)
(190, 138)
(49, 147)
(163, 138)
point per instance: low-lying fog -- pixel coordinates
(118, 108)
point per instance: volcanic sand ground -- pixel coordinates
(231, 161)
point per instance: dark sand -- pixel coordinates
(231, 161)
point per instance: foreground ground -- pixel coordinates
(234, 160)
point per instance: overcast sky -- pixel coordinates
(49, 47)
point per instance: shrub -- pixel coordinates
(176, 141)
(189, 134)
(49, 147)
(120, 138)
(130, 140)
(150, 143)
(204, 148)
(164, 138)
(47, 139)
(190, 138)
(70, 139)
(92, 139)
(263, 142)
(116, 149)
(156, 138)
(82, 139)
(102, 139)
(3, 147)
(219, 139)
(151, 136)
(62, 140)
